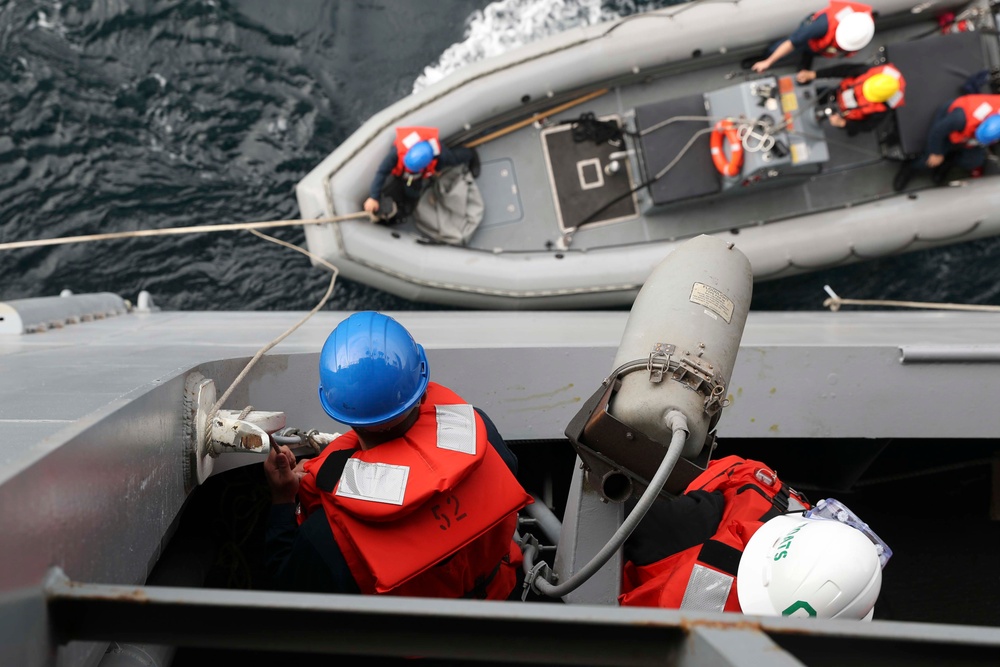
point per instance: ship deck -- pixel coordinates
(92, 444)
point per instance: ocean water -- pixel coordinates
(131, 114)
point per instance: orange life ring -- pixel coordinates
(727, 166)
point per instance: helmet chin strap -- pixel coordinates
(372, 436)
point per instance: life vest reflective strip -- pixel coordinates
(703, 577)
(976, 108)
(826, 46)
(731, 165)
(450, 535)
(406, 138)
(851, 96)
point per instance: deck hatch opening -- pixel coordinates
(580, 184)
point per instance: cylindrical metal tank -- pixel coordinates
(686, 325)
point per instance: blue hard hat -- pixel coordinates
(988, 131)
(418, 157)
(371, 370)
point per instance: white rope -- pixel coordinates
(197, 229)
(329, 290)
(835, 302)
(252, 227)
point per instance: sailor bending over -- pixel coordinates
(959, 136)
(415, 156)
(738, 540)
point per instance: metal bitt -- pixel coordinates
(234, 431)
(225, 431)
(245, 431)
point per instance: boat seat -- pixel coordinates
(935, 69)
(694, 175)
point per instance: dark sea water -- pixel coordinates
(130, 114)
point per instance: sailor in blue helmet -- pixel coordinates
(419, 498)
(416, 155)
(959, 135)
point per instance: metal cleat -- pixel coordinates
(232, 431)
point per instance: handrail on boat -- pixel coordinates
(534, 117)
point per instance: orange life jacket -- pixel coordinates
(407, 137)
(827, 45)
(430, 514)
(851, 96)
(703, 577)
(976, 108)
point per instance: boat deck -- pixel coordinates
(540, 169)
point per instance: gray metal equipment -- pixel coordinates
(671, 374)
(677, 353)
(778, 127)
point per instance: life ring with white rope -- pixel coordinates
(731, 165)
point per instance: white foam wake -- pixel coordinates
(508, 24)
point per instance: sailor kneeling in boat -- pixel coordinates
(863, 98)
(959, 135)
(415, 156)
(419, 499)
(740, 540)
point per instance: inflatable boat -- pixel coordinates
(596, 158)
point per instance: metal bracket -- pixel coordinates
(697, 373)
(659, 361)
(232, 431)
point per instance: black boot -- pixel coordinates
(940, 174)
(474, 166)
(903, 176)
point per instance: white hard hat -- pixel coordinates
(854, 31)
(793, 566)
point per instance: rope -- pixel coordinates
(835, 302)
(588, 128)
(329, 291)
(198, 229)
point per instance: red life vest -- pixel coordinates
(703, 577)
(430, 514)
(976, 108)
(406, 138)
(827, 45)
(851, 96)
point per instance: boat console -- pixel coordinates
(774, 132)
(777, 127)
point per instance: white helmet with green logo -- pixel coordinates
(794, 566)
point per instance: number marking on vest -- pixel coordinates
(442, 513)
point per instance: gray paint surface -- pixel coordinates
(92, 436)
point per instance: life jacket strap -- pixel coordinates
(478, 591)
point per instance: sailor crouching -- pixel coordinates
(418, 499)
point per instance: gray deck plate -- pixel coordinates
(935, 69)
(584, 192)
